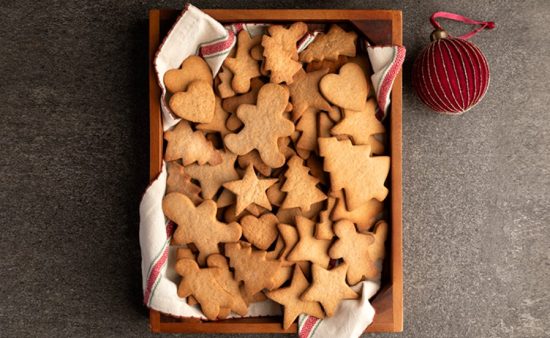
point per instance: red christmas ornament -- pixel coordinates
(451, 75)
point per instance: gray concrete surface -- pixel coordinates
(73, 104)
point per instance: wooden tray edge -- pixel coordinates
(396, 144)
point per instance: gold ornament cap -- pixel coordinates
(438, 34)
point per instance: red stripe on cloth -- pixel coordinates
(155, 272)
(388, 81)
(239, 27)
(170, 228)
(308, 326)
(219, 46)
(154, 275)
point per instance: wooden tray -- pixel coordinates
(379, 27)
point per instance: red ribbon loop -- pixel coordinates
(460, 18)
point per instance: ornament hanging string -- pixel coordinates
(460, 18)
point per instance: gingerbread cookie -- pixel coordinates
(315, 165)
(275, 195)
(225, 278)
(324, 125)
(243, 66)
(190, 146)
(329, 288)
(290, 237)
(362, 251)
(363, 62)
(229, 215)
(260, 232)
(255, 298)
(225, 199)
(264, 124)
(348, 89)
(253, 158)
(224, 87)
(232, 103)
(353, 169)
(212, 177)
(179, 181)
(323, 229)
(285, 148)
(193, 68)
(331, 65)
(257, 52)
(217, 124)
(303, 153)
(308, 126)
(203, 285)
(330, 46)
(250, 190)
(198, 225)
(289, 297)
(256, 210)
(252, 267)
(363, 216)
(184, 253)
(284, 274)
(308, 247)
(377, 144)
(197, 104)
(335, 114)
(288, 215)
(233, 123)
(279, 246)
(280, 53)
(304, 93)
(301, 188)
(360, 125)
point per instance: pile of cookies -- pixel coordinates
(276, 175)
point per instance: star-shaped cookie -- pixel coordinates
(289, 297)
(212, 177)
(250, 190)
(329, 288)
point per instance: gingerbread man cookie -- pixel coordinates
(264, 124)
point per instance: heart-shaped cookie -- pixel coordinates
(192, 69)
(197, 104)
(348, 89)
(261, 232)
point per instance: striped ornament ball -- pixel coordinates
(451, 75)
